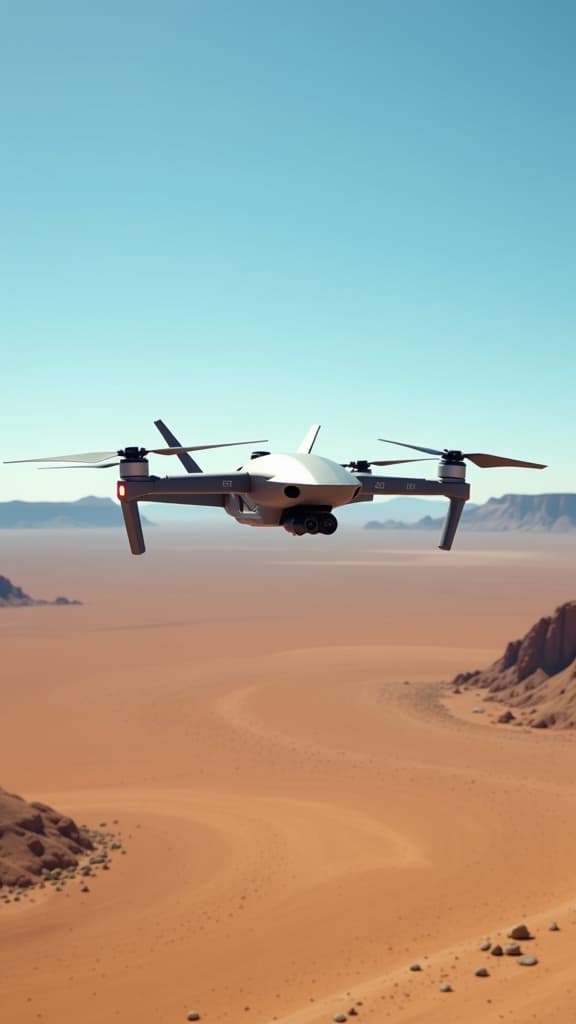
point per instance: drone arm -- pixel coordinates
(183, 487)
(394, 485)
(457, 492)
(204, 500)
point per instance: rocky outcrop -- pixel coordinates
(34, 840)
(536, 674)
(12, 596)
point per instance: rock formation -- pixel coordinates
(35, 840)
(12, 596)
(536, 675)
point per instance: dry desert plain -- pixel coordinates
(302, 817)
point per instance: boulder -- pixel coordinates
(519, 931)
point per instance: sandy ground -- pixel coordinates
(303, 818)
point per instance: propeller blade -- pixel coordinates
(416, 447)
(201, 447)
(105, 465)
(82, 457)
(92, 457)
(491, 461)
(396, 462)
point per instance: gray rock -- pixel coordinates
(527, 961)
(519, 931)
(446, 987)
(512, 949)
(339, 1018)
(485, 947)
(482, 972)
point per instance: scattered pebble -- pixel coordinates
(496, 950)
(512, 949)
(339, 1018)
(553, 927)
(193, 1016)
(482, 972)
(415, 967)
(519, 931)
(485, 947)
(446, 987)
(527, 961)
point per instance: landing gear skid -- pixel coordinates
(311, 522)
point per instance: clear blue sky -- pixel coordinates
(245, 216)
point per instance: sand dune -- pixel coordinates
(301, 823)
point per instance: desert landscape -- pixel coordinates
(308, 825)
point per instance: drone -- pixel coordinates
(297, 491)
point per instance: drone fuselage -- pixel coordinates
(281, 484)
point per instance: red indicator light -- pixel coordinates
(121, 490)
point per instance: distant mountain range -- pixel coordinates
(537, 512)
(550, 513)
(41, 515)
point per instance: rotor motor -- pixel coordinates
(134, 468)
(452, 468)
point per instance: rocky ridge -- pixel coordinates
(12, 596)
(536, 675)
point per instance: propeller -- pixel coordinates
(480, 459)
(135, 454)
(363, 465)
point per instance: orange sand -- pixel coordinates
(300, 822)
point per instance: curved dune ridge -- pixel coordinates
(301, 819)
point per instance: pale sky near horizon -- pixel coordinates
(246, 217)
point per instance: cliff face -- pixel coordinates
(536, 675)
